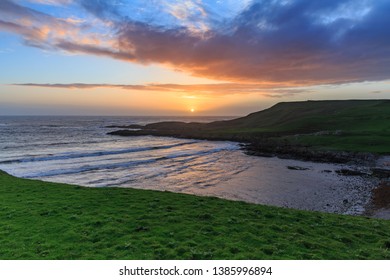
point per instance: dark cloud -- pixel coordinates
(286, 42)
(281, 42)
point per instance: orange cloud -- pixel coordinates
(189, 91)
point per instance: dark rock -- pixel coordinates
(126, 132)
(131, 126)
(300, 152)
(258, 154)
(349, 172)
(297, 168)
(381, 172)
(327, 171)
(345, 201)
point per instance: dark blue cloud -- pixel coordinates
(293, 42)
(286, 42)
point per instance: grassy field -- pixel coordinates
(41, 220)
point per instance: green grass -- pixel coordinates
(353, 125)
(40, 220)
(312, 116)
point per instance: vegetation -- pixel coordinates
(41, 220)
(344, 125)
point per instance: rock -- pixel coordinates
(131, 126)
(297, 168)
(381, 172)
(350, 172)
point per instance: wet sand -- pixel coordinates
(269, 181)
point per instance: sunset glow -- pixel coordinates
(202, 130)
(225, 57)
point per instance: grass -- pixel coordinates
(41, 220)
(352, 125)
(341, 125)
(313, 116)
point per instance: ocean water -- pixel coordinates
(77, 150)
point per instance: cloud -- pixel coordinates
(31, 34)
(52, 2)
(41, 30)
(93, 49)
(279, 42)
(190, 91)
(191, 14)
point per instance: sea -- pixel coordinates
(78, 150)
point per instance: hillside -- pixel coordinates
(312, 116)
(343, 125)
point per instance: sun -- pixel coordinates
(192, 110)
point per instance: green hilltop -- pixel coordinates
(313, 116)
(341, 125)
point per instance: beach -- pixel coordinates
(79, 151)
(317, 187)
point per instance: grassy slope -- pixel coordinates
(349, 125)
(353, 125)
(311, 116)
(40, 220)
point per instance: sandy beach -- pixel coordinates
(316, 187)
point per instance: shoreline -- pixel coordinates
(262, 146)
(326, 181)
(302, 185)
(291, 176)
(310, 186)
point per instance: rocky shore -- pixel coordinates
(269, 148)
(264, 145)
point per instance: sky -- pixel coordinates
(191, 57)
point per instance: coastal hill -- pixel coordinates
(341, 125)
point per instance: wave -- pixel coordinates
(203, 152)
(72, 155)
(87, 168)
(54, 144)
